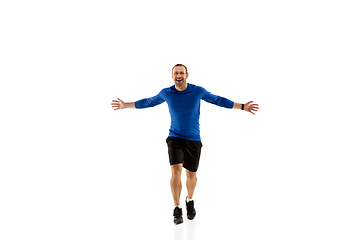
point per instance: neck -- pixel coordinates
(181, 88)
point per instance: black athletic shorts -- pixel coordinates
(184, 151)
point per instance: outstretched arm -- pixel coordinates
(143, 103)
(119, 104)
(224, 102)
(249, 107)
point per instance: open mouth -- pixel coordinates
(179, 80)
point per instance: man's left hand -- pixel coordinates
(249, 107)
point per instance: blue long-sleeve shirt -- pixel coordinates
(184, 108)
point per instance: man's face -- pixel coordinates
(179, 76)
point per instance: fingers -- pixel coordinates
(118, 104)
(116, 107)
(251, 108)
(115, 104)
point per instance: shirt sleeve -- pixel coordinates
(217, 100)
(150, 102)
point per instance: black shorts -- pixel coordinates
(184, 151)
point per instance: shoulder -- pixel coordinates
(200, 89)
(165, 91)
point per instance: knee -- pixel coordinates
(191, 177)
(176, 173)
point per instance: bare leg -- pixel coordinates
(191, 181)
(175, 182)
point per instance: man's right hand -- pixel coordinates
(118, 104)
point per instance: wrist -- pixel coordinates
(129, 105)
(238, 106)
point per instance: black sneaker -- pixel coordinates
(178, 215)
(190, 209)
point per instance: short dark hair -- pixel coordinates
(177, 65)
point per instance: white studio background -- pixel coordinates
(72, 168)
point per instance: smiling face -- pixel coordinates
(179, 76)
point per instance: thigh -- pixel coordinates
(192, 155)
(175, 151)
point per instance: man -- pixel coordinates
(184, 142)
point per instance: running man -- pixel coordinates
(184, 142)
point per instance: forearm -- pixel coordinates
(129, 105)
(237, 105)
